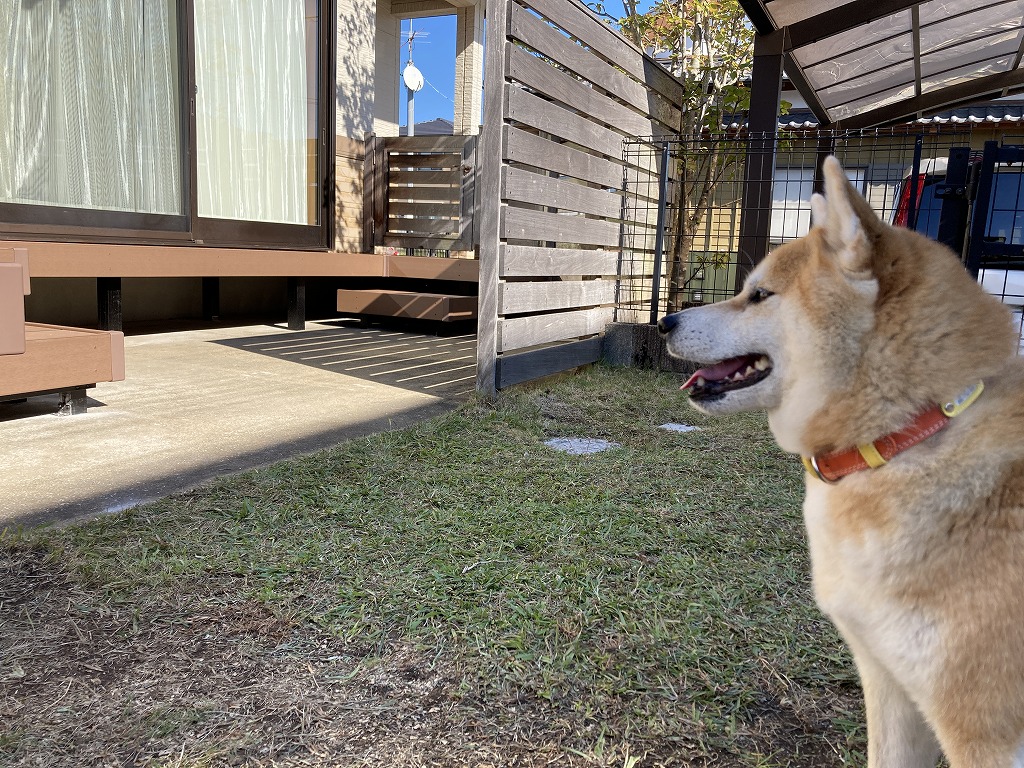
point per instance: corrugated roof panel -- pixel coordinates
(857, 61)
(860, 38)
(963, 74)
(785, 12)
(874, 101)
(862, 87)
(979, 29)
(937, 11)
(964, 56)
(861, 62)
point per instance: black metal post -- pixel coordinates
(108, 302)
(659, 235)
(982, 204)
(763, 126)
(915, 184)
(955, 196)
(73, 402)
(211, 298)
(826, 146)
(296, 303)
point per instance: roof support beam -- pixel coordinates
(978, 89)
(915, 23)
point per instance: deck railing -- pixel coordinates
(420, 192)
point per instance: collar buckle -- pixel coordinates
(962, 401)
(811, 463)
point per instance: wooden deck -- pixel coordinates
(439, 307)
(61, 359)
(121, 260)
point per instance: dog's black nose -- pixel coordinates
(667, 323)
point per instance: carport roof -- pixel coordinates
(863, 63)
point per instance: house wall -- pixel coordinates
(348, 187)
(354, 91)
(386, 68)
(366, 100)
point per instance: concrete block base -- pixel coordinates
(638, 345)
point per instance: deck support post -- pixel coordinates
(108, 302)
(211, 298)
(72, 402)
(296, 303)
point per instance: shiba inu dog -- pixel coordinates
(895, 376)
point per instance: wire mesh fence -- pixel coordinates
(689, 212)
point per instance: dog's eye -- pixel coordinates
(759, 294)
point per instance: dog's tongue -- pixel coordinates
(718, 371)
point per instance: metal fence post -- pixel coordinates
(659, 234)
(915, 184)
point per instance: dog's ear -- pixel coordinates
(841, 220)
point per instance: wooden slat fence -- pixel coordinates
(563, 92)
(420, 192)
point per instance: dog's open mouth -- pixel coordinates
(734, 373)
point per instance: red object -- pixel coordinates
(902, 217)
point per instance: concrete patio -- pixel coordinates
(198, 404)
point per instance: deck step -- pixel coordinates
(59, 358)
(443, 307)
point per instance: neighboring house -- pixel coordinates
(878, 164)
(436, 127)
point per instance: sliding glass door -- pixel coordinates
(256, 112)
(90, 104)
(201, 120)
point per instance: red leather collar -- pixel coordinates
(832, 467)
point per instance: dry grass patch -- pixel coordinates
(456, 594)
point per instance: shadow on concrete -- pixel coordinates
(39, 405)
(443, 366)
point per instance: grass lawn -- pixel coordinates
(456, 594)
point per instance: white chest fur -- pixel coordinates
(858, 584)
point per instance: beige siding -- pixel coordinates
(386, 63)
(356, 43)
(348, 204)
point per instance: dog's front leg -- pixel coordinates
(898, 736)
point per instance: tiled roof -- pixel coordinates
(992, 113)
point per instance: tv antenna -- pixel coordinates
(413, 79)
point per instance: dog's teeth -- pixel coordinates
(761, 364)
(700, 382)
(749, 371)
(737, 376)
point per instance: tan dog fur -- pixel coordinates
(919, 563)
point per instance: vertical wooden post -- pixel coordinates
(211, 298)
(374, 193)
(489, 191)
(296, 303)
(108, 302)
(467, 208)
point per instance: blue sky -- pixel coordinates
(434, 55)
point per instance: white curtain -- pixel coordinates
(251, 111)
(89, 104)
